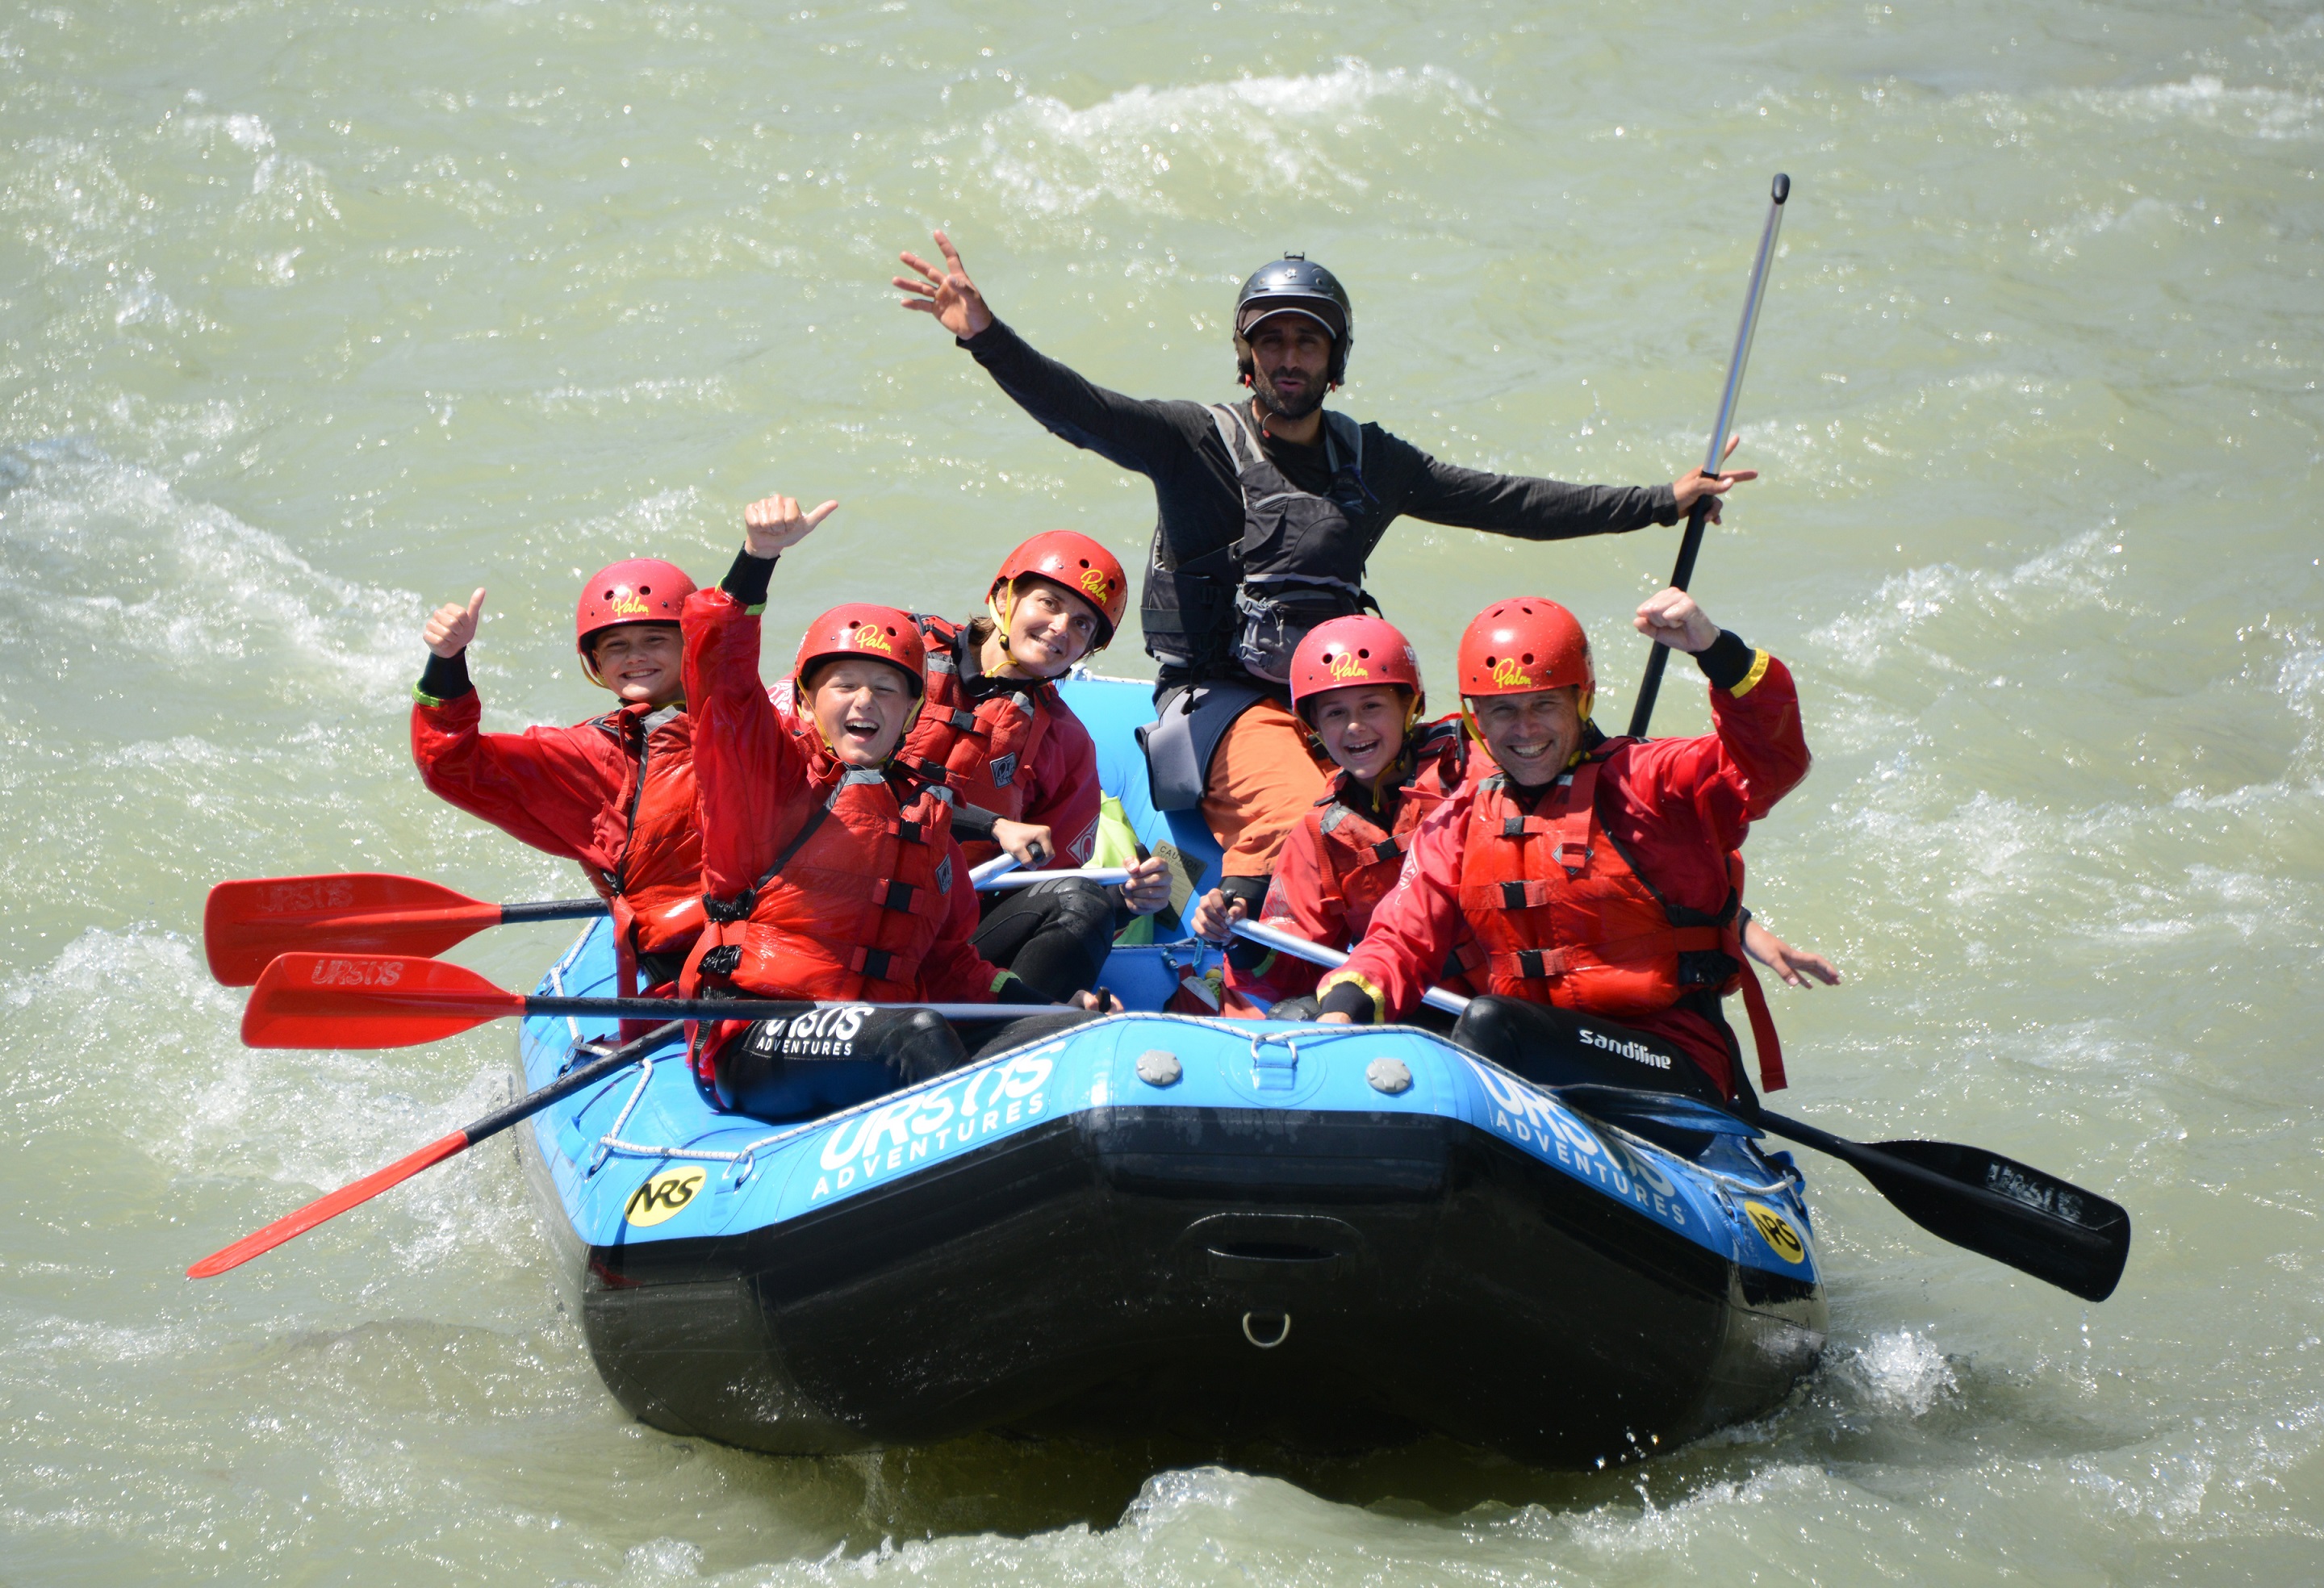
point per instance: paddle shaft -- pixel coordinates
(1332, 959)
(362, 1191)
(1690, 543)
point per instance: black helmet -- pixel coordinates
(1292, 284)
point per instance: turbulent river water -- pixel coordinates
(312, 314)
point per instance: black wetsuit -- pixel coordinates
(1177, 446)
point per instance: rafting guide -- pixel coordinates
(1269, 510)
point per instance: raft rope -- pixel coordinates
(742, 1163)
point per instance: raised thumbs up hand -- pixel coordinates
(773, 525)
(451, 626)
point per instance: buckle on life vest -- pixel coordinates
(1387, 849)
(1529, 893)
(737, 908)
(1533, 965)
(723, 960)
(893, 895)
(909, 831)
(1513, 826)
(964, 721)
(1580, 864)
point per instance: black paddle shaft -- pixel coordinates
(573, 1081)
(552, 909)
(1691, 544)
(1993, 1205)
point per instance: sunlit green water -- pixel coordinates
(311, 315)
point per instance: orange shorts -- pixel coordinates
(1265, 776)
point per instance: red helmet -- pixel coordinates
(861, 629)
(640, 590)
(1347, 653)
(1522, 645)
(1067, 557)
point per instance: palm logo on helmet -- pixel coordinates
(1522, 646)
(1074, 562)
(882, 634)
(1294, 285)
(1349, 652)
(635, 590)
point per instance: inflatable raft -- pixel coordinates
(1175, 1226)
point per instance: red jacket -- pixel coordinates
(1337, 864)
(611, 793)
(760, 776)
(1052, 784)
(1677, 807)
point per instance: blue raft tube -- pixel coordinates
(1167, 1226)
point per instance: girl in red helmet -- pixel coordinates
(614, 793)
(1355, 683)
(1598, 875)
(1019, 767)
(830, 872)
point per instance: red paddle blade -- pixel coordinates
(354, 1001)
(247, 923)
(326, 1207)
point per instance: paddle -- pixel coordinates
(247, 924)
(434, 1153)
(1996, 1206)
(397, 1001)
(1658, 656)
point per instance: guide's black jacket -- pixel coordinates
(1177, 446)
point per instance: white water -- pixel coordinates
(311, 317)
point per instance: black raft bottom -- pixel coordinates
(1211, 1279)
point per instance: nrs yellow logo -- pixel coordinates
(1777, 1231)
(1096, 584)
(1509, 675)
(1345, 666)
(664, 1196)
(868, 637)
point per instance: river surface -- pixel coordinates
(313, 315)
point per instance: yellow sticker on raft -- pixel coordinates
(1773, 1228)
(662, 1197)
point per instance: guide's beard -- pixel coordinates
(1273, 402)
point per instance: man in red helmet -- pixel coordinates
(830, 872)
(1269, 509)
(1597, 875)
(1016, 764)
(614, 793)
(1355, 684)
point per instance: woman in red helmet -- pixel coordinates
(1019, 767)
(614, 793)
(1355, 684)
(830, 872)
(1598, 875)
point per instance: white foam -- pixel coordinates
(2077, 575)
(1248, 133)
(218, 590)
(1900, 1371)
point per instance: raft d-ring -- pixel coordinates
(740, 1171)
(1280, 1336)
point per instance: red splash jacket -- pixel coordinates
(872, 897)
(1015, 750)
(1338, 863)
(615, 794)
(1672, 812)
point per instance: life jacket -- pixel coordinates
(975, 749)
(1565, 918)
(1360, 862)
(654, 889)
(853, 904)
(1299, 560)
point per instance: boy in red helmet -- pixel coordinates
(1019, 768)
(1355, 685)
(614, 793)
(830, 872)
(1598, 875)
